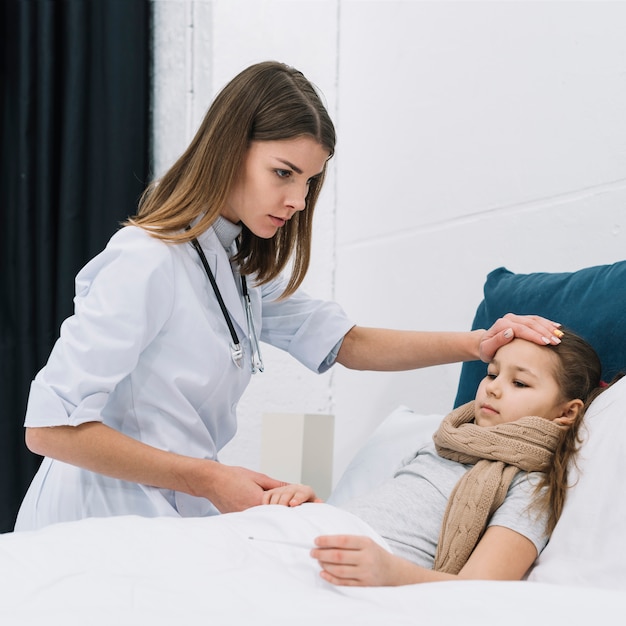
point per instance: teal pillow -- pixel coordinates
(591, 301)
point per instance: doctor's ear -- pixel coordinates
(570, 411)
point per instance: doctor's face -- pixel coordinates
(521, 380)
(274, 183)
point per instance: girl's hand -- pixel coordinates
(351, 560)
(291, 494)
(348, 560)
(530, 327)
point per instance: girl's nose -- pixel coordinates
(492, 387)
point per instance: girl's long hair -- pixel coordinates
(578, 374)
(265, 102)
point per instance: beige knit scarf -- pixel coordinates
(497, 453)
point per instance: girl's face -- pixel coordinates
(520, 381)
(274, 183)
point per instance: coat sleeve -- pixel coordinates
(123, 298)
(307, 328)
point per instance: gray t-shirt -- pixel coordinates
(408, 509)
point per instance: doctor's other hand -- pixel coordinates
(355, 561)
(234, 488)
(290, 494)
(530, 327)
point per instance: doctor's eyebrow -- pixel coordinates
(295, 168)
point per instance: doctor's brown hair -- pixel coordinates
(268, 101)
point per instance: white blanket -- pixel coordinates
(136, 571)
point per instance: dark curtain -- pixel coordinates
(75, 158)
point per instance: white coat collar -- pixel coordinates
(226, 232)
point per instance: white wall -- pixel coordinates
(471, 135)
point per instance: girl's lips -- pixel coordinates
(488, 409)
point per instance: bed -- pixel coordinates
(132, 570)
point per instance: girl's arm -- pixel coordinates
(99, 448)
(381, 349)
(349, 560)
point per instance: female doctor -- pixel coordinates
(140, 390)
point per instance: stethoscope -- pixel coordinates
(236, 349)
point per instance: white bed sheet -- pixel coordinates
(138, 571)
(132, 570)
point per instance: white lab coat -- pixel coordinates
(147, 353)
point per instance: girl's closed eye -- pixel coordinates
(520, 384)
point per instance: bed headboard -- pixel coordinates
(591, 301)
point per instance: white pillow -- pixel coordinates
(588, 546)
(401, 433)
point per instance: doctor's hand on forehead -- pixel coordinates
(383, 349)
(530, 327)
